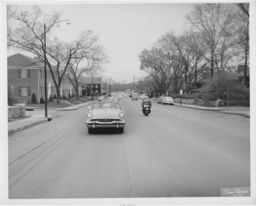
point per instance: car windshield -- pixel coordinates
(105, 105)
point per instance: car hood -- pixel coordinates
(105, 113)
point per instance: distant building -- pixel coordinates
(26, 77)
(91, 86)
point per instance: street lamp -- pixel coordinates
(91, 86)
(45, 76)
(109, 87)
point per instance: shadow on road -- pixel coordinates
(106, 131)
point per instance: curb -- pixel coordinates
(216, 110)
(191, 107)
(243, 115)
(10, 132)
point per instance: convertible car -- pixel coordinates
(105, 114)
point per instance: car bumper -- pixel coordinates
(113, 124)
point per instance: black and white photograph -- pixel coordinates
(129, 100)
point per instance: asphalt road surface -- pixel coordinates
(174, 152)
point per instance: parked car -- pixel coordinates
(105, 114)
(167, 100)
(135, 97)
(143, 96)
(160, 100)
(101, 98)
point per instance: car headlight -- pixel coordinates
(89, 115)
(121, 115)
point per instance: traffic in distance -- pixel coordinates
(107, 112)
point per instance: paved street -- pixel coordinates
(173, 152)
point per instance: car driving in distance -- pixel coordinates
(135, 96)
(160, 99)
(105, 114)
(167, 100)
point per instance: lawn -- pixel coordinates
(63, 103)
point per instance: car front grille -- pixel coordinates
(105, 120)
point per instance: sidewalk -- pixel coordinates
(37, 117)
(198, 107)
(74, 107)
(242, 111)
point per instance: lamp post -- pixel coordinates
(91, 86)
(45, 77)
(109, 87)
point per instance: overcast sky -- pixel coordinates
(124, 30)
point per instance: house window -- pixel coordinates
(25, 91)
(24, 73)
(96, 86)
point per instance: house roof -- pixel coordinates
(19, 61)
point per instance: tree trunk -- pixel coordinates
(186, 78)
(175, 85)
(195, 76)
(245, 63)
(77, 93)
(58, 95)
(212, 65)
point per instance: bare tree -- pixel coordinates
(28, 34)
(146, 85)
(185, 58)
(89, 61)
(213, 21)
(173, 60)
(198, 63)
(244, 7)
(242, 30)
(154, 63)
(63, 53)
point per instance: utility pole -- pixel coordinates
(109, 87)
(91, 87)
(45, 76)
(134, 83)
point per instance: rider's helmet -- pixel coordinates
(146, 99)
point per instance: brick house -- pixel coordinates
(91, 85)
(26, 77)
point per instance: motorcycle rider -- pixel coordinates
(146, 103)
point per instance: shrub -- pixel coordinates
(225, 88)
(33, 98)
(54, 96)
(41, 100)
(11, 101)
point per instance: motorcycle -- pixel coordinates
(146, 110)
